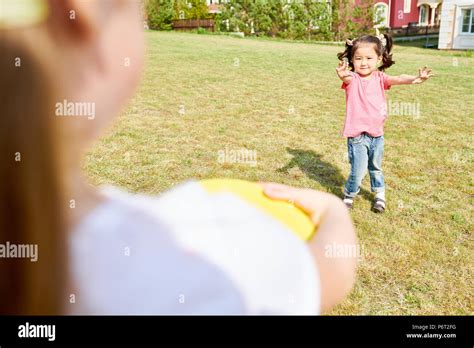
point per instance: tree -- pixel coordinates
(299, 19)
(190, 9)
(260, 14)
(296, 19)
(160, 14)
(350, 21)
(310, 19)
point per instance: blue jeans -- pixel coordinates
(365, 152)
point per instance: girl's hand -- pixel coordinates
(423, 75)
(341, 70)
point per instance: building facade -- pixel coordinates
(402, 13)
(457, 25)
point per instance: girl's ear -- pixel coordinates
(78, 19)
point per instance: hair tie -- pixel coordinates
(382, 39)
(349, 42)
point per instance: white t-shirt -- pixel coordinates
(189, 252)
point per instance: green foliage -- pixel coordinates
(310, 20)
(190, 9)
(350, 21)
(260, 12)
(304, 20)
(160, 14)
(296, 19)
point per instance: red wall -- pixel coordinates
(399, 18)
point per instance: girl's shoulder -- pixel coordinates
(383, 78)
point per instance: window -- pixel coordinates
(467, 21)
(380, 15)
(406, 6)
(423, 15)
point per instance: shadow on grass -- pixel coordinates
(330, 177)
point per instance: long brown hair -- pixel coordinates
(31, 190)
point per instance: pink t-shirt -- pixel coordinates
(366, 107)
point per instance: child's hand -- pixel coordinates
(423, 75)
(342, 69)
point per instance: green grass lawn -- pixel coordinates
(202, 93)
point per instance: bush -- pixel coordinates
(160, 14)
(295, 19)
(190, 9)
(306, 19)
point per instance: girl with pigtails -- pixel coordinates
(361, 69)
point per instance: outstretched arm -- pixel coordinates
(334, 227)
(423, 75)
(343, 73)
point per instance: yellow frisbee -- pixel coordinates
(292, 217)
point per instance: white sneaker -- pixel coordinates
(348, 201)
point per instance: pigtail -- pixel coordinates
(387, 44)
(347, 54)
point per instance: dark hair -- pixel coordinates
(385, 52)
